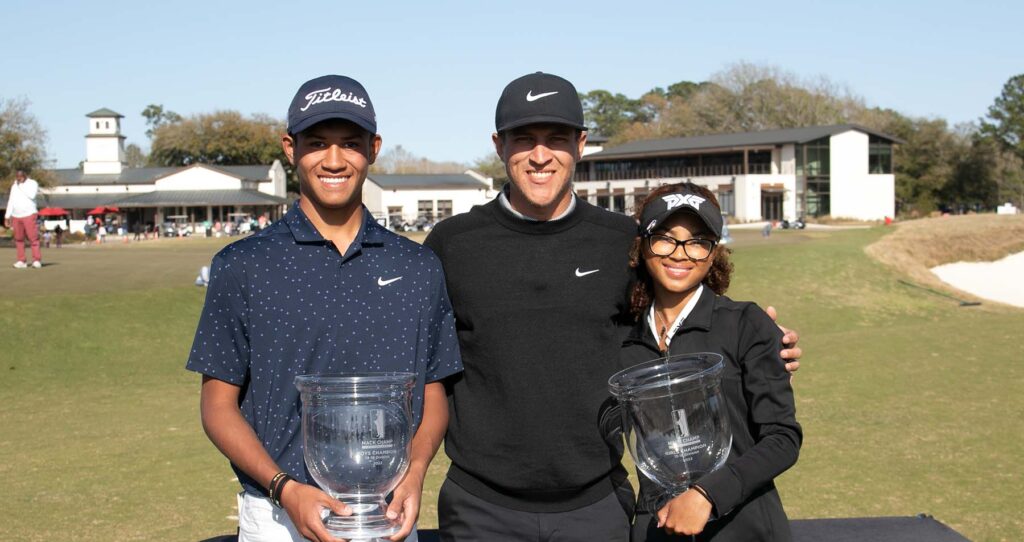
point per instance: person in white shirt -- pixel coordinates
(21, 215)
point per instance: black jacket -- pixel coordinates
(766, 435)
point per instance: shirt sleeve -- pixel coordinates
(10, 202)
(221, 345)
(771, 414)
(444, 358)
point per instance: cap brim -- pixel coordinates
(541, 119)
(660, 219)
(315, 119)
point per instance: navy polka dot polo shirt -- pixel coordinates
(284, 302)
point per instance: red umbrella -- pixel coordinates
(101, 210)
(52, 211)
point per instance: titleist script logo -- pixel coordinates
(678, 200)
(329, 95)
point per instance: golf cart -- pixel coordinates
(176, 226)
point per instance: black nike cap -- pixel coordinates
(539, 98)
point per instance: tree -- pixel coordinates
(608, 113)
(156, 117)
(973, 184)
(1010, 178)
(133, 156)
(398, 160)
(219, 138)
(1006, 117)
(490, 165)
(743, 98)
(22, 142)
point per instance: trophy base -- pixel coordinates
(357, 527)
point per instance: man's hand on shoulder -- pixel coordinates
(304, 503)
(790, 352)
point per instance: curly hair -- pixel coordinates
(643, 289)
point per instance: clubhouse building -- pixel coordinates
(201, 192)
(153, 195)
(840, 171)
(432, 197)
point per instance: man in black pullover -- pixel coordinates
(538, 280)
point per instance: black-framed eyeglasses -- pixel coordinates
(695, 249)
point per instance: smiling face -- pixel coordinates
(331, 159)
(540, 160)
(677, 274)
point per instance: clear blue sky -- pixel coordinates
(435, 69)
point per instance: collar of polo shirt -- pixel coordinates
(370, 232)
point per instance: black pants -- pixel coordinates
(463, 517)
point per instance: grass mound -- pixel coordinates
(919, 245)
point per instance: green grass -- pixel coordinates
(910, 404)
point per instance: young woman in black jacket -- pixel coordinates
(679, 308)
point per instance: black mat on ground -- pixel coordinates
(921, 528)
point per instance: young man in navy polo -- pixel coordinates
(324, 290)
(538, 279)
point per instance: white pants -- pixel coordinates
(260, 521)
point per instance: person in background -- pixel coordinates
(21, 215)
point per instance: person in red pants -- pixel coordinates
(21, 215)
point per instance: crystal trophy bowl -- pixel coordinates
(674, 418)
(356, 435)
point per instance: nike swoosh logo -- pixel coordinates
(531, 98)
(382, 282)
(585, 273)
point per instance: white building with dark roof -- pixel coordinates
(151, 195)
(842, 171)
(432, 197)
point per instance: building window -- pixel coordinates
(879, 155)
(97, 125)
(394, 214)
(425, 209)
(602, 202)
(812, 159)
(818, 198)
(812, 162)
(619, 203)
(727, 200)
(444, 209)
(106, 124)
(759, 162)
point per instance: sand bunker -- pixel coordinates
(1001, 280)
